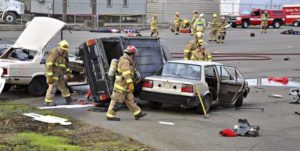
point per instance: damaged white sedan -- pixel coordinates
(175, 83)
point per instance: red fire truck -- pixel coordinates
(292, 14)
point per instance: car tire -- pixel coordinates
(245, 24)
(6, 88)
(155, 105)
(296, 23)
(207, 104)
(276, 24)
(233, 25)
(10, 18)
(239, 101)
(38, 86)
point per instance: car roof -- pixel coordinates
(201, 63)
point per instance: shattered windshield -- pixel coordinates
(179, 70)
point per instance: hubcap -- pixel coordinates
(296, 24)
(9, 18)
(277, 24)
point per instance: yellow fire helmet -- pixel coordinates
(215, 15)
(64, 45)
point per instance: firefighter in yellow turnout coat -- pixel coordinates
(124, 86)
(154, 29)
(201, 53)
(56, 69)
(192, 45)
(264, 22)
(214, 28)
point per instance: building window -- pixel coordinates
(125, 3)
(109, 3)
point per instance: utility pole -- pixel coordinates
(94, 13)
(64, 15)
(271, 4)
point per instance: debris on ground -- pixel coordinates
(275, 95)
(282, 80)
(256, 108)
(290, 32)
(298, 113)
(245, 129)
(166, 123)
(18, 132)
(294, 96)
(67, 106)
(48, 119)
(228, 132)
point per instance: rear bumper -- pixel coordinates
(169, 98)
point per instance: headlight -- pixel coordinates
(239, 18)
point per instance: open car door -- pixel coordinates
(231, 84)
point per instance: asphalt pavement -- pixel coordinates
(279, 125)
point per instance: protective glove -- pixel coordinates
(50, 80)
(131, 87)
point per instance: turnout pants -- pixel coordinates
(61, 86)
(127, 98)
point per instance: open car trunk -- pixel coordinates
(98, 53)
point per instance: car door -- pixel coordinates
(231, 83)
(256, 18)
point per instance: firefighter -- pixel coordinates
(194, 18)
(264, 22)
(124, 86)
(222, 30)
(154, 29)
(56, 69)
(214, 28)
(177, 23)
(192, 45)
(201, 53)
(200, 24)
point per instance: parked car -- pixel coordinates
(23, 63)
(175, 83)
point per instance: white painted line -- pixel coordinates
(66, 106)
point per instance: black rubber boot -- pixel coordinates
(50, 104)
(113, 119)
(140, 115)
(68, 100)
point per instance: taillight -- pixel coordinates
(187, 88)
(148, 84)
(104, 97)
(5, 72)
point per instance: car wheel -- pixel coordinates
(276, 24)
(233, 25)
(155, 105)
(10, 18)
(207, 104)
(296, 23)
(6, 87)
(38, 86)
(245, 24)
(239, 101)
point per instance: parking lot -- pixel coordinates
(279, 126)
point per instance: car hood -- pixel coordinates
(38, 33)
(171, 79)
